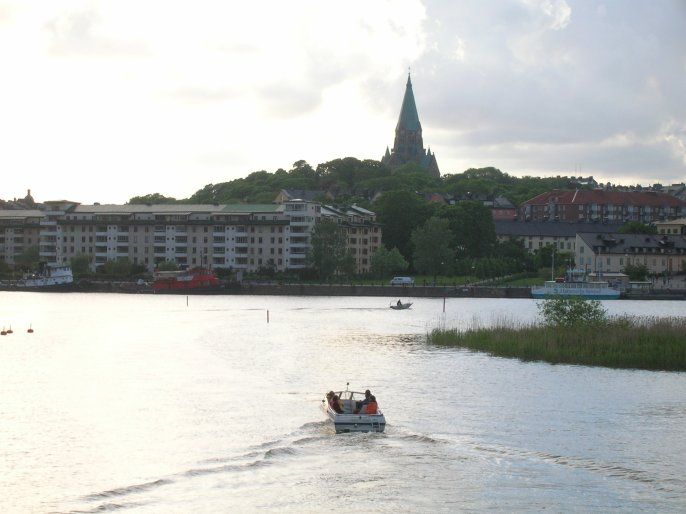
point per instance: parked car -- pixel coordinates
(402, 281)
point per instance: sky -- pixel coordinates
(102, 101)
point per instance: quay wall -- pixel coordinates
(392, 291)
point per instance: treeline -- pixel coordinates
(428, 238)
(351, 180)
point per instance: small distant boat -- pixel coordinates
(194, 279)
(348, 421)
(47, 277)
(401, 306)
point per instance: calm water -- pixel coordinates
(142, 403)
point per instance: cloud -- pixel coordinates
(204, 93)
(76, 33)
(542, 77)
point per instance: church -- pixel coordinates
(409, 145)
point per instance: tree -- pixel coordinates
(80, 264)
(4, 269)
(636, 272)
(513, 252)
(572, 311)
(636, 227)
(28, 259)
(472, 226)
(152, 198)
(120, 268)
(328, 249)
(167, 266)
(400, 212)
(388, 262)
(432, 247)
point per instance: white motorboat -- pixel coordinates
(349, 420)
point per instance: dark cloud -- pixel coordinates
(558, 78)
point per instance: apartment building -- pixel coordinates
(671, 227)
(537, 234)
(244, 237)
(602, 206)
(363, 233)
(19, 230)
(241, 237)
(612, 252)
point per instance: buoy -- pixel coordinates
(30, 330)
(9, 331)
(3, 332)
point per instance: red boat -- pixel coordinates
(186, 280)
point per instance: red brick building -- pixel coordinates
(600, 205)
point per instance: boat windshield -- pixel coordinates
(350, 395)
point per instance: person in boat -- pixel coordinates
(399, 304)
(335, 404)
(371, 407)
(363, 403)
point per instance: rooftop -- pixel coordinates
(550, 229)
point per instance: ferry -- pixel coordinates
(349, 420)
(47, 277)
(576, 284)
(190, 280)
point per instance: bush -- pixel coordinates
(573, 311)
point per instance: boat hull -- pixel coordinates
(543, 296)
(344, 423)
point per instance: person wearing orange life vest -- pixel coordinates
(371, 407)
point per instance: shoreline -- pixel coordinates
(272, 289)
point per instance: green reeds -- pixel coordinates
(620, 342)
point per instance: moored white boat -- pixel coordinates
(576, 284)
(48, 276)
(348, 421)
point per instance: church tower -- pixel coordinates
(409, 145)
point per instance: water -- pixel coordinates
(141, 403)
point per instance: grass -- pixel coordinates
(639, 343)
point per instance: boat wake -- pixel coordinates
(264, 454)
(609, 470)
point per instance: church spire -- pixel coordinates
(408, 145)
(409, 119)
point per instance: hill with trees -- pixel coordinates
(350, 180)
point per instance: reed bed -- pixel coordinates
(620, 342)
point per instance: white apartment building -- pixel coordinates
(245, 237)
(613, 252)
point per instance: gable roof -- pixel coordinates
(617, 243)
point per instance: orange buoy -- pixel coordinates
(30, 330)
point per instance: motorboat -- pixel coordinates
(349, 421)
(400, 306)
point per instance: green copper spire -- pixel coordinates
(409, 119)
